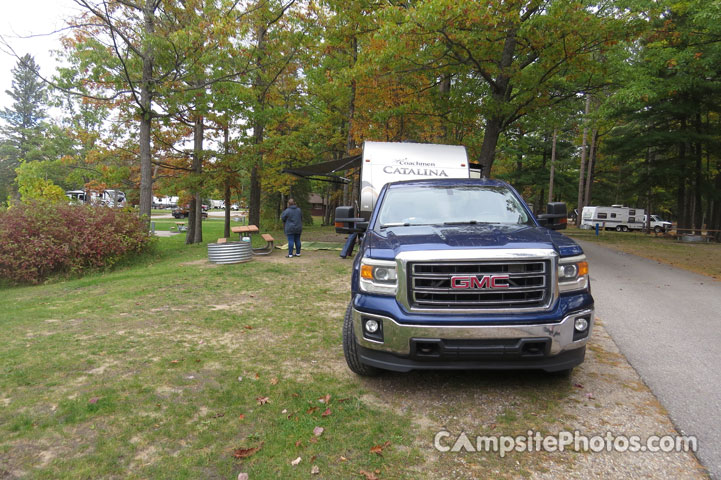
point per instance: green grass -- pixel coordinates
(146, 370)
(703, 258)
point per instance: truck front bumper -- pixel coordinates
(402, 347)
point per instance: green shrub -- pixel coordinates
(39, 239)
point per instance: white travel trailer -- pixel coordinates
(165, 202)
(385, 162)
(615, 217)
(110, 198)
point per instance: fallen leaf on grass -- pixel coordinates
(589, 395)
(311, 410)
(262, 400)
(175, 361)
(343, 459)
(243, 476)
(378, 449)
(318, 431)
(219, 415)
(369, 475)
(298, 443)
(578, 385)
(313, 439)
(325, 399)
(257, 376)
(241, 416)
(94, 400)
(246, 452)
(326, 413)
(274, 381)
(315, 470)
(296, 461)
(248, 327)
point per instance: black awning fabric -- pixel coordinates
(327, 169)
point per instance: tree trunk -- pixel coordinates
(226, 182)
(698, 182)
(492, 133)
(195, 217)
(258, 131)
(146, 115)
(553, 165)
(591, 163)
(582, 168)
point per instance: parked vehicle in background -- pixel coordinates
(110, 198)
(76, 196)
(658, 224)
(235, 207)
(165, 202)
(615, 217)
(184, 212)
(217, 204)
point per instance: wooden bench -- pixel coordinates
(268, 248)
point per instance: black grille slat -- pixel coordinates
(528, 285)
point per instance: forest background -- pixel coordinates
(586, 102)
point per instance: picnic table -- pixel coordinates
(249, 230)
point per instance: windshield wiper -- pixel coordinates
(472, 222)
(399, 224)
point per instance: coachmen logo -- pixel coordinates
(468, 282)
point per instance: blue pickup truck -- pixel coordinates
(457, 273)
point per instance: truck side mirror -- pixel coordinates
(555, 217)
(345, 222)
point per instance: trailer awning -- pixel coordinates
(325, 171)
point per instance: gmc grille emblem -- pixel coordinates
(467, 282)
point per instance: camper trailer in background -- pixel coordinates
(615, 217)
(110, 198)
(165, 202)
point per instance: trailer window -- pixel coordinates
(438, 205)
(603, 216)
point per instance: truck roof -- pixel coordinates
(450, 181)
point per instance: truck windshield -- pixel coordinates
(454, 205)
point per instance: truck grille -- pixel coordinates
(529, 284)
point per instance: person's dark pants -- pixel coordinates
(293, 239)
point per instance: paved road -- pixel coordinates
(668, 324)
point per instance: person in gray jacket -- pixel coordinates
(292, 226)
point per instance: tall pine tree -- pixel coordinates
(21, 134)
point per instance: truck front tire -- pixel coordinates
(350, 348)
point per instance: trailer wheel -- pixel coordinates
(624, 228)
(618, 228)
(350, 349)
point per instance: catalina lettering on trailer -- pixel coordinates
(414, 169)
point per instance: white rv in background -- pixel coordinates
(615, 217)
(385, 162)
(110, 198)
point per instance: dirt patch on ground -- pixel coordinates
(603, 395)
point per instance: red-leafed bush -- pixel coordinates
(42, 239)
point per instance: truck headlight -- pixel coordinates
(378, 276)
(573, 274)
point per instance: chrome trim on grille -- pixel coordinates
(478, 258)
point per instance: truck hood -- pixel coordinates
(386, 244)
